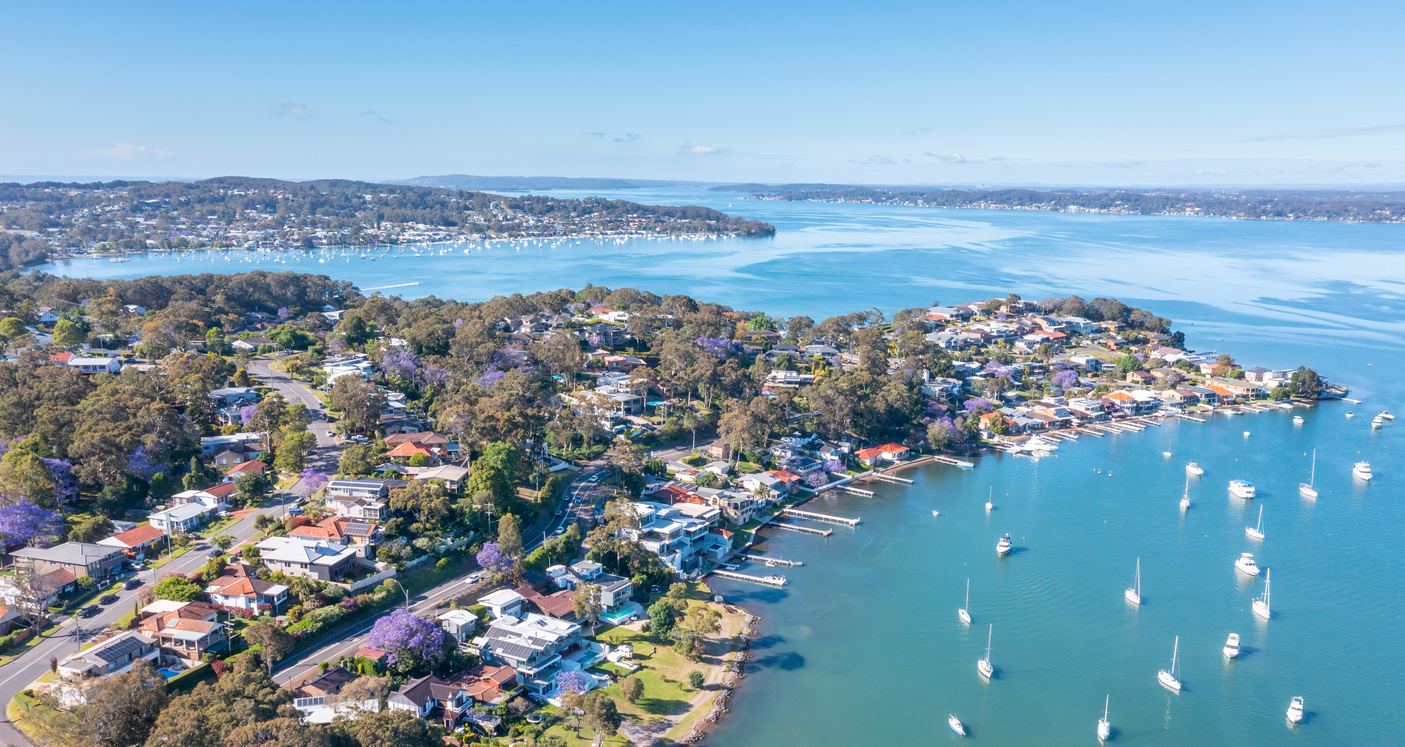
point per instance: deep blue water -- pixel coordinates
(864, 646)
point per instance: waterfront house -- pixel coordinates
(671, 533)
(98, 562)
(113, 656)
(614, 590)
(531, 644)
(894, 452)
(736, 506)
(763, 485)
(1246, 389)
(487, 684)
(137, 542)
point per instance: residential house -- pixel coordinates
(407, 451)
(10, 619)
(614, 590)
(254, 467)
(181, 519)
(764, 486)
(98, 562)
(736, 506)
(234, 396)
(431, 698)
(46, 587)
(503, 602)
(487, 684)
(188, 632)
(894, 452)
(360, 499)
(319, 559)
(229, 458)
(245, 441)
(137, 542)
(113, 656)
(89, 366)
(531, 644)
(46, 315)
(459, 623)
(1247, 389)
(1141, 377)
(668, 532)
(251, 344)
(343, 531)
(241, 589)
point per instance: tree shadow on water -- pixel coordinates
(788, 661)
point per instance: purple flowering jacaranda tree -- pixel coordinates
(410, 642)
(492, 559)
(24, 524)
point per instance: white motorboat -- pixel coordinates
(1194, 469)
(936, 512)
(1003, 546)
(1385, 415)
(983, 665)
(1306, 488)
(1166, 454)
(1185, 496)
(1242, 488)
(1246, 434)
(1297, 420)
(1257, 532)
(956, 725)
(1351, 414)
(1104, 728)
(1295, 711)
(1362, 471)
(1377, 422)
(1231, 646)
(1246, 564)
(964, 612)
(1168, 678)
(1134, 592)
(1261, 604)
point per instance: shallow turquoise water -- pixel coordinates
(864, 646)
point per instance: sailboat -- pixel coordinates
(1185, 496)
(990, 502)
(1168, 678)
(984, 666)
(963, 613)
(956, 725)
(1306, 488)
(1261, 604)
(1257, 532)
(1104, 728)
(1134, 593)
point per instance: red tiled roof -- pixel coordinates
(868, 453)
(138, 536)
(784, 475)
(407, 449)
(223, 490)
(248, 468)
(366, 652)
(893, 448)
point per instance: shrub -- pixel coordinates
(695, 679)
(6, 643)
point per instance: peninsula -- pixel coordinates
(364, 515)
(1324, 205)
(48, 220)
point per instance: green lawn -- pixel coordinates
(39, 722)
(663, 672)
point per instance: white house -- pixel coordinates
(113, 656)
(181, 519)
(95, 365)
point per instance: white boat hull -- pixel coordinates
(1231, 653)
(1194, 470)
(1252, 532)
(1185, 503)
(964, 615)
(1132, 596)
(1261, 609)
(1295, 711)
(956, 726)
(1248, 570)
(1104, 730)
(985, 668)
(1168, 681)
(1307, 491)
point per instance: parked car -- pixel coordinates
(89, 611)
(131, 583)
(107, 599)
(330, 434)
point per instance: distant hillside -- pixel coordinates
(530, 183)
(1334, 205)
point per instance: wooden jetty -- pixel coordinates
(812, 516)
(952, 461)
(890, 478)
(776, 581)
(856, 491)
(1184, 416)
(773, 561)
(803, 530)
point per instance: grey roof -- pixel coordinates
(611, 582)
(71, 553)
(119, 648)
(183, 512)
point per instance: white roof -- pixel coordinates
(501, 598)
(459, 617)
(163, 605)
(300, 550)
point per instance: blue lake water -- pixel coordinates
(864, 646)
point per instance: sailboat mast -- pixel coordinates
(1174, 652)
(1312, 478)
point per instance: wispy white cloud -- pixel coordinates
(129, 152)
(953, 158)
(292, 110)
(595, 134)
(1327, 134)
(688, 149)
(875, 161)
(919, 131)
(629, 137)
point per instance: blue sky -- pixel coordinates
(941, 93)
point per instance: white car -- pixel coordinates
(330, 434)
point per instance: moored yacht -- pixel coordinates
(1231, 646)
(964, 612)
(983, 665)
(956, 725)
(1295, 711)
(1246, 564)
(1168, 678)
(1003, 546)
(1242, 488)
(1194, 469)
(1362, 471)
(1261, 604)
(1257, 532)
(1134, 592)
(1185, 496)
(1297, 420)
(1306, 488)
(1104, 728)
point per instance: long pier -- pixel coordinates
(884, 477)
(776, 581)
(773, 561)
(1184, 416)
(803, 530)
(856, 491)
(811, 515)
